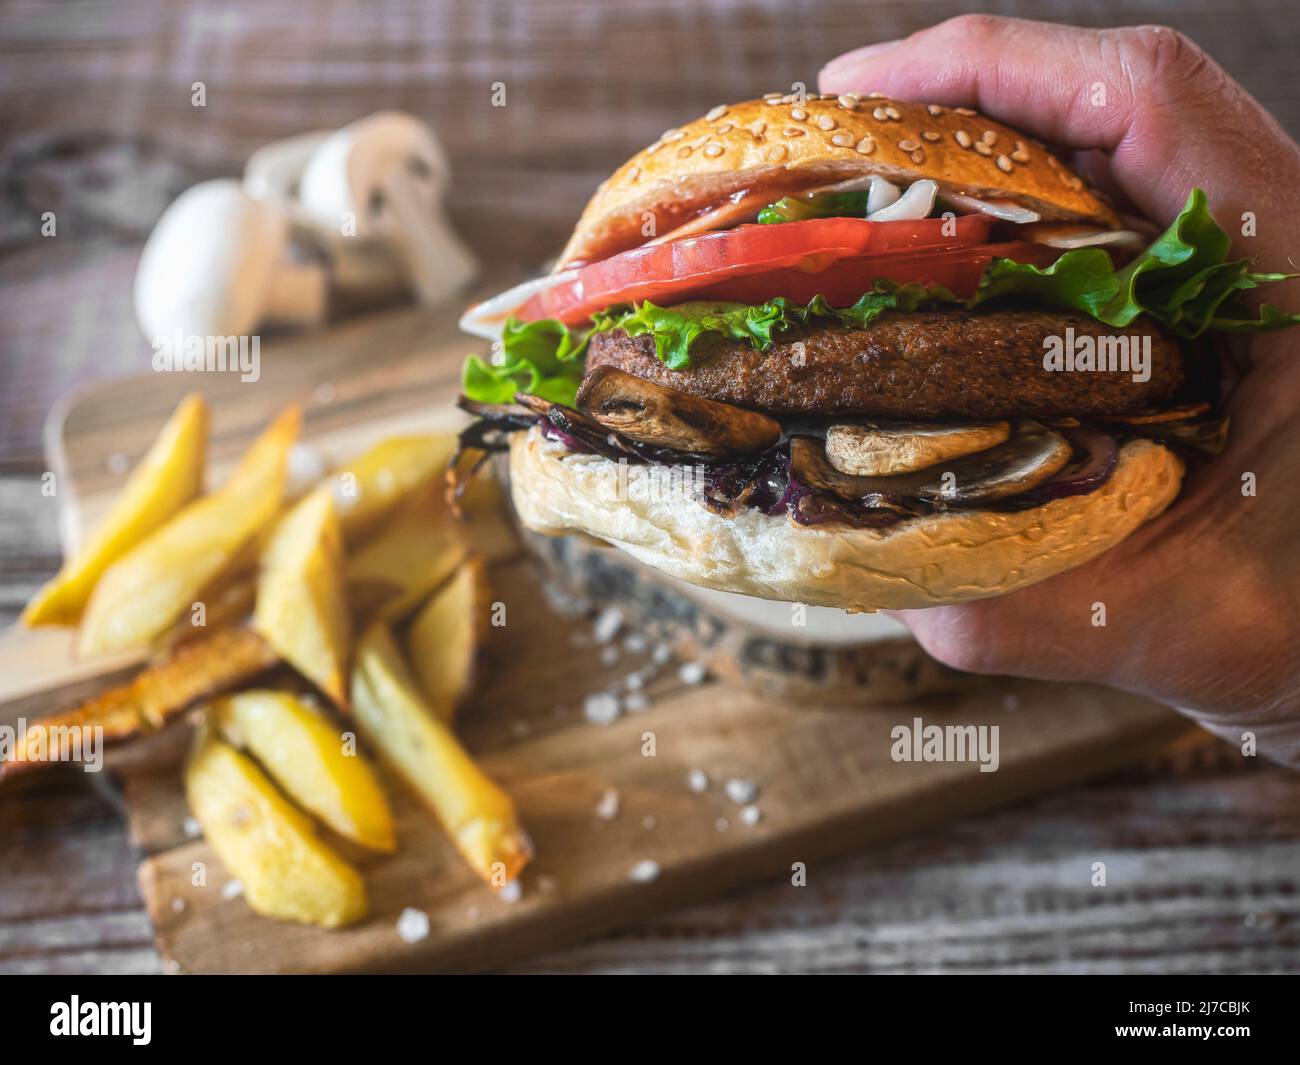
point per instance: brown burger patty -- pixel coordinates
(923, 364)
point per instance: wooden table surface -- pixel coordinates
(1202, 847)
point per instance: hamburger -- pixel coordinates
(857, 352)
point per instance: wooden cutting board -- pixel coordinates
(827, 783)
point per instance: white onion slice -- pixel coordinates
(882, 194)
(916, 202)
(1092, 239)
(1008, 212)
(488, 318)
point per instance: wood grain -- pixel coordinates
(93, 95)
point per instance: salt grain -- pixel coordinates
(645, 871)
(661, 654)
(608, 655)
(751, 814)
(193, 830)
(607, 805)
(607, 624)
(741, 792)
(412, 925)
(636, 702)
(511, 891)
(232, 889)
(697, 780)
(601, 708)
(634, 643)
(692, 673)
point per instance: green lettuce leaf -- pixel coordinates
(1182, 281)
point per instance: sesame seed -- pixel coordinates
(963, 111)
(757, 128)
(842, 139)
(672, 135)
(713, 149)
(798, 114)
(776, 153)
(918, 156)
(1074, 183)
(1053, 162)
(908, 145)
(849, 103)
(654, 147)
(930, 135)
(771, 96)
(962, 138)
(716, 113)
(989, 137)
(726, 127)
(792, 131)
(894, 113)
(634, 173)
(877, 96)
(772, 101)
(791, 98)
(826, 122)
(683, 151)
(983, 149)
(935, 109)
(1005, 164)
(1021, 154)
(879, 115)
(866, 146)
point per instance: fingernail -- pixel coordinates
(849, 60)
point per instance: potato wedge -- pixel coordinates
(149, 587)
(479, 817)
(304, 752)
(302, 608)
(267, 842)
(418, 550)
(446, 636)
(199, 669)
(168, 478)
(373, 484)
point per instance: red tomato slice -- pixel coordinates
(957, 270)
(675, 271)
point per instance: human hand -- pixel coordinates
(1202, 605)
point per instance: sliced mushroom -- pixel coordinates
(873, 450)
(1030, 457)
(1071, 235)
(1001, 209)
(652, 414)
(916, 202)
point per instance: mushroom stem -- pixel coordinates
(296, 295)
(436, 261)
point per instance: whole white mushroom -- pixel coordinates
(383, 178)
(217, 264)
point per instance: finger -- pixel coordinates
(1167, 114)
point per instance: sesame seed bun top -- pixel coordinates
(781, 145)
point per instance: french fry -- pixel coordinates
(446, 636)
(218, 662)
(370, 487)
(302, 608)
(418, 550)
(479, 817)
(168, 478)
(267, 842)
(303, 751)
(227, 604)
(149, 587)
(483, 510)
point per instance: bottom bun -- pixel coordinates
(928, 561)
